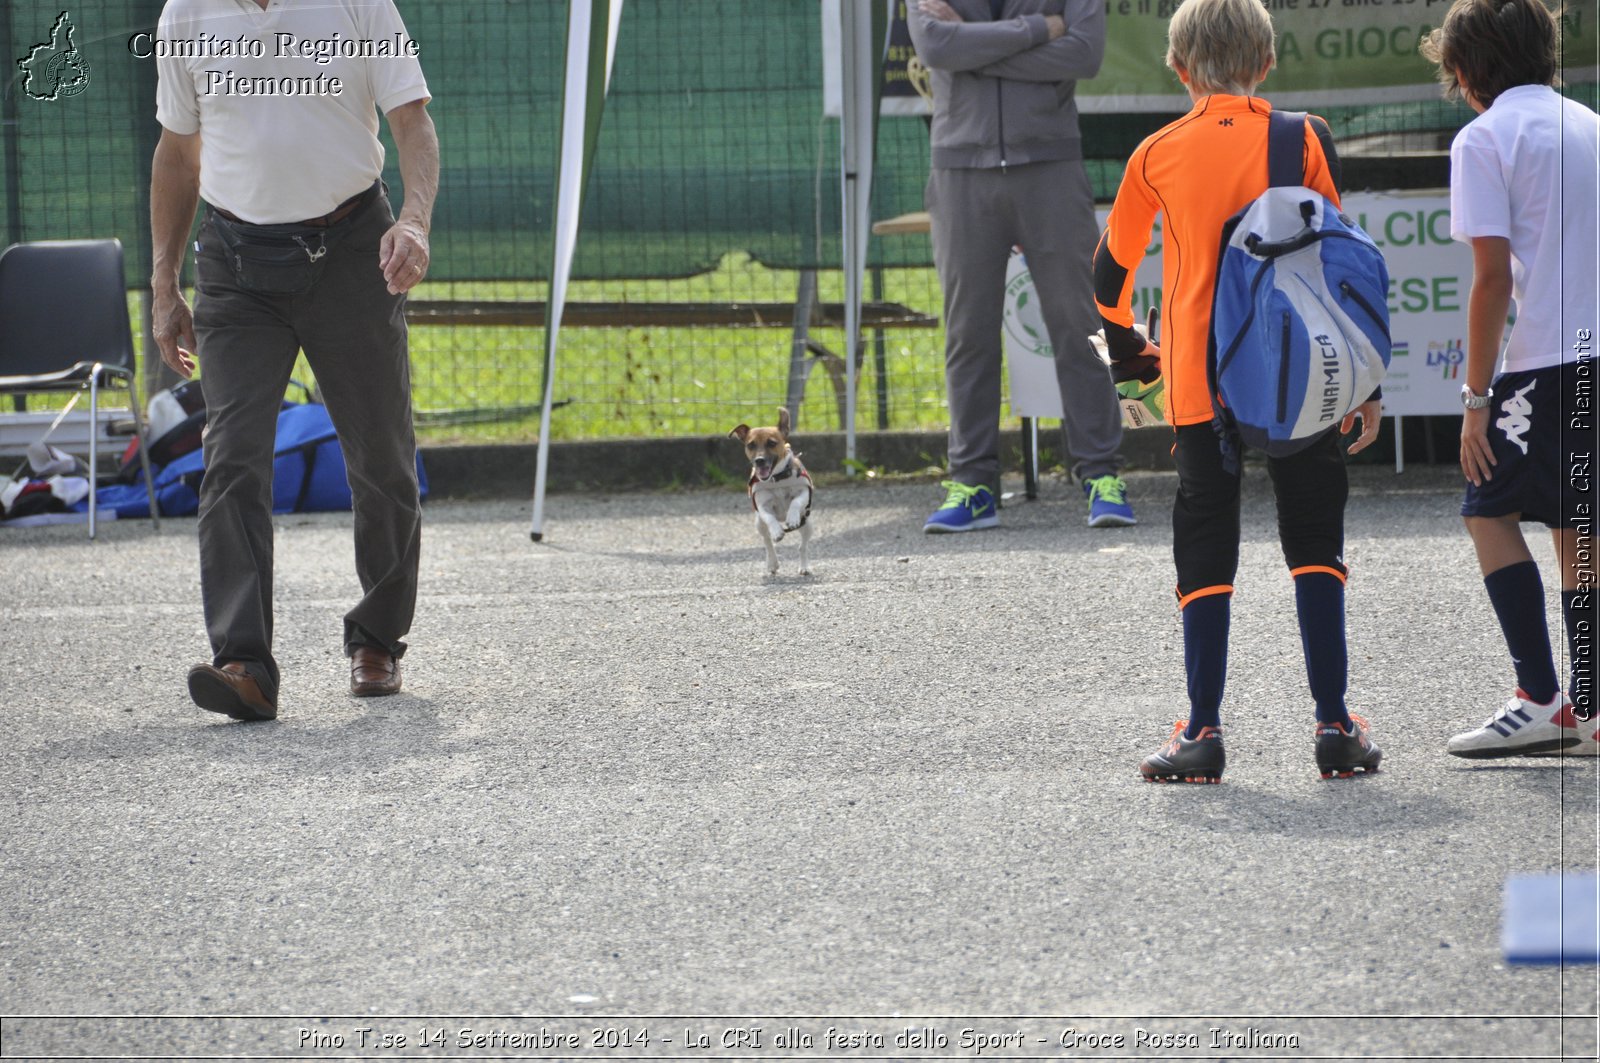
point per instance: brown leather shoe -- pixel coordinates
(373, 673)
(230, 690)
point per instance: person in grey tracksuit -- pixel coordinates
(1007, 169)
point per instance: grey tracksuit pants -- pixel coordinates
(354, 335)
(978, 215)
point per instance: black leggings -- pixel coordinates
(1311, 489)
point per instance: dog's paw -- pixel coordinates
(777, 536)
(790, 527)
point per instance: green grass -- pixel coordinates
(626, 382)
(475, 384)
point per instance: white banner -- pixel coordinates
(1429, 277)
(1030, 361)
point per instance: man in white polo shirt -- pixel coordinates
(269, 113)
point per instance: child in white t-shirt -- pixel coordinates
(1523, 195)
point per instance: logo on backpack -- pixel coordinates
(1300, 320)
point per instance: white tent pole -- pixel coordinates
(575, 121)
(855, 156)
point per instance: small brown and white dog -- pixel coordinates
(780, 487)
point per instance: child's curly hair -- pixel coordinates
(1488, 46)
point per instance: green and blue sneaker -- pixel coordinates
(1108, 502)
(966, 508)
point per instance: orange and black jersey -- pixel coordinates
(1196, 173)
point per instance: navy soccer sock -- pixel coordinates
(1205, 658)
(1319, 603)
(1580, 648)
(1517, 594)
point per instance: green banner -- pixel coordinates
(1330, 52)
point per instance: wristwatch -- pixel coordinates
(1472, 400)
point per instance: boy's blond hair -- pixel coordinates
(1224, 45)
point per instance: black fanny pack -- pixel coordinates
(285, 259)
(272, 259)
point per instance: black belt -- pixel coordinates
(333, 217)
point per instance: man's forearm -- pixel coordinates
(956, 46)
(1062, 60)
(174, 195)
(1074, 56)
(418, 145)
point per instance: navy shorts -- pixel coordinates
(1542, 434)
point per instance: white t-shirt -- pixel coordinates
(286, 100)
(1527, 169)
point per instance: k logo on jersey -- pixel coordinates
(1515, 414)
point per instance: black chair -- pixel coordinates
(64, 327)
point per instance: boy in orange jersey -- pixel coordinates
(1197, 172)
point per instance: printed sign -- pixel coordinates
(1429, 277)
(1030, 360)
(1330, 53)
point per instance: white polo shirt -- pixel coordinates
(285, 99)
(1527, 170)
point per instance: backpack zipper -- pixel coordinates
(1283, 370)
(1360, 300)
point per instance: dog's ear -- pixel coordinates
(740, 432)
(783, 421)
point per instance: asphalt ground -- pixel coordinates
(634, 785)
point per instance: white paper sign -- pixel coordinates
(1429, 278)
(1030, 360)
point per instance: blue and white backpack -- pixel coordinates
(1300, 321)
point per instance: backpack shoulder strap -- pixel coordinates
(1286, 139)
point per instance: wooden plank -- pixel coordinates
(524, 314)
(915, 222)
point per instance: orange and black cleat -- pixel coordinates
(1198, 759)
(1342, 753)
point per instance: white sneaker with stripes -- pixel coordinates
(1524, 727)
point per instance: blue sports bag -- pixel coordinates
(308, 472)
(1300, 321)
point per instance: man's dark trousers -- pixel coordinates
(353, 333)
(977, 215)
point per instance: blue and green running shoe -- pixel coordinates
(1108, 502)
(966, 508)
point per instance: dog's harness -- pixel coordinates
(792, 467)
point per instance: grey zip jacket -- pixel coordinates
(1003, 92)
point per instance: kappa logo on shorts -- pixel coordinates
(1515, 419)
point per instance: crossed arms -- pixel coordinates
(1064, 47)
